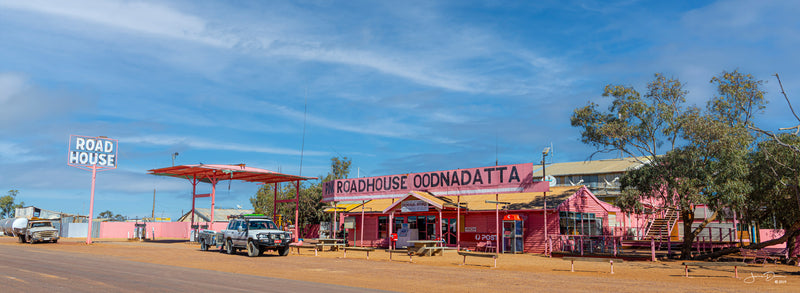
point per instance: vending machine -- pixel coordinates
(513, 241)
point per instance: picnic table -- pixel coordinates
(333, 243)
(426, 247)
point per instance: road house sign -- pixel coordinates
(92, 151)
(483, 180)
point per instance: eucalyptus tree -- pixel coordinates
(704, 163)
(635, 125)
(311, 205)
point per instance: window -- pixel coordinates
(412, 222)
(398, 223)
(383, 227)
(573, 223)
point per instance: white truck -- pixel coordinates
(254, 233)
(30, 230)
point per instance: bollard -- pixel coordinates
(652, 249)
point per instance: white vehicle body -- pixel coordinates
(31, 231)
(256, 234)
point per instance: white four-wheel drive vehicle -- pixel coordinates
(256, 234)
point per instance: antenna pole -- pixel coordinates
(303, 143)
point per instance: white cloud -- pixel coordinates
(15, 153)
(10, 86)
(436, 60)
(136, 16)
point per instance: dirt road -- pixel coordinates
(522, 273)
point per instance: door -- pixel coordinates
(449, 229)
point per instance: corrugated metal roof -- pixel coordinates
(518, 201)
(590, 167)
(343, 207)
(205, 173)
(220, 215)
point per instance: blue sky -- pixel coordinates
(398, 86)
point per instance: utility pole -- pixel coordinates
(153, 217)
(544, 178)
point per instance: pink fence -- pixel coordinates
(162, 229)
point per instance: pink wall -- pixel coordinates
(178, 230)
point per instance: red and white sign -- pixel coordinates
(484, 180)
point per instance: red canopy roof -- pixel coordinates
(205, 173)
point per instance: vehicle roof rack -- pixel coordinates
(250, 216)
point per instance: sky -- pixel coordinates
(396, 86)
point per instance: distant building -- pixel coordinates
(34, 212)
(220, 215)
(600, 176)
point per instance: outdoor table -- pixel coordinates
(424, 247)
(333, 243)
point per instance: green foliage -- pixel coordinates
(634, 125)
(7, 205)
(709, 168)
(775, 177)
(311, 205)
(111, 216)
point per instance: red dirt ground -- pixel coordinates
(515, 273)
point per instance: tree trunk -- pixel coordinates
(687, 215)
(689, 235)
(792, 232)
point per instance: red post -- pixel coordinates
(91, 206)
(497, 222)
(458, 222)
(363, 202)
(213, 193)
(297, 211)
(652, 249)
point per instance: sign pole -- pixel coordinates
(91, 206)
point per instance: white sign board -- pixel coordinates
(470, 229)
(92, 151)
(413, 206)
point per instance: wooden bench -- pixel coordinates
(756, 255)
(465, 254)
(331, 246)
(592, 259)
(401, 251)
(735, 266)
(308, 246)
(434, 250)
(354, 248)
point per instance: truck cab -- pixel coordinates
(256, 234)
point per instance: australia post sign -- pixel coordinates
(87, 151)
(483, 180)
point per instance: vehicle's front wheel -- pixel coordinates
(253, 249)
(229, 247)
(283, 251)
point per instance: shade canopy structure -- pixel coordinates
(215, 173)
(208, 173)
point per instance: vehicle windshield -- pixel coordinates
(41, 224)
(261, 225)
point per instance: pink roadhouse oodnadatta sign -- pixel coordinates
(483, 180)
